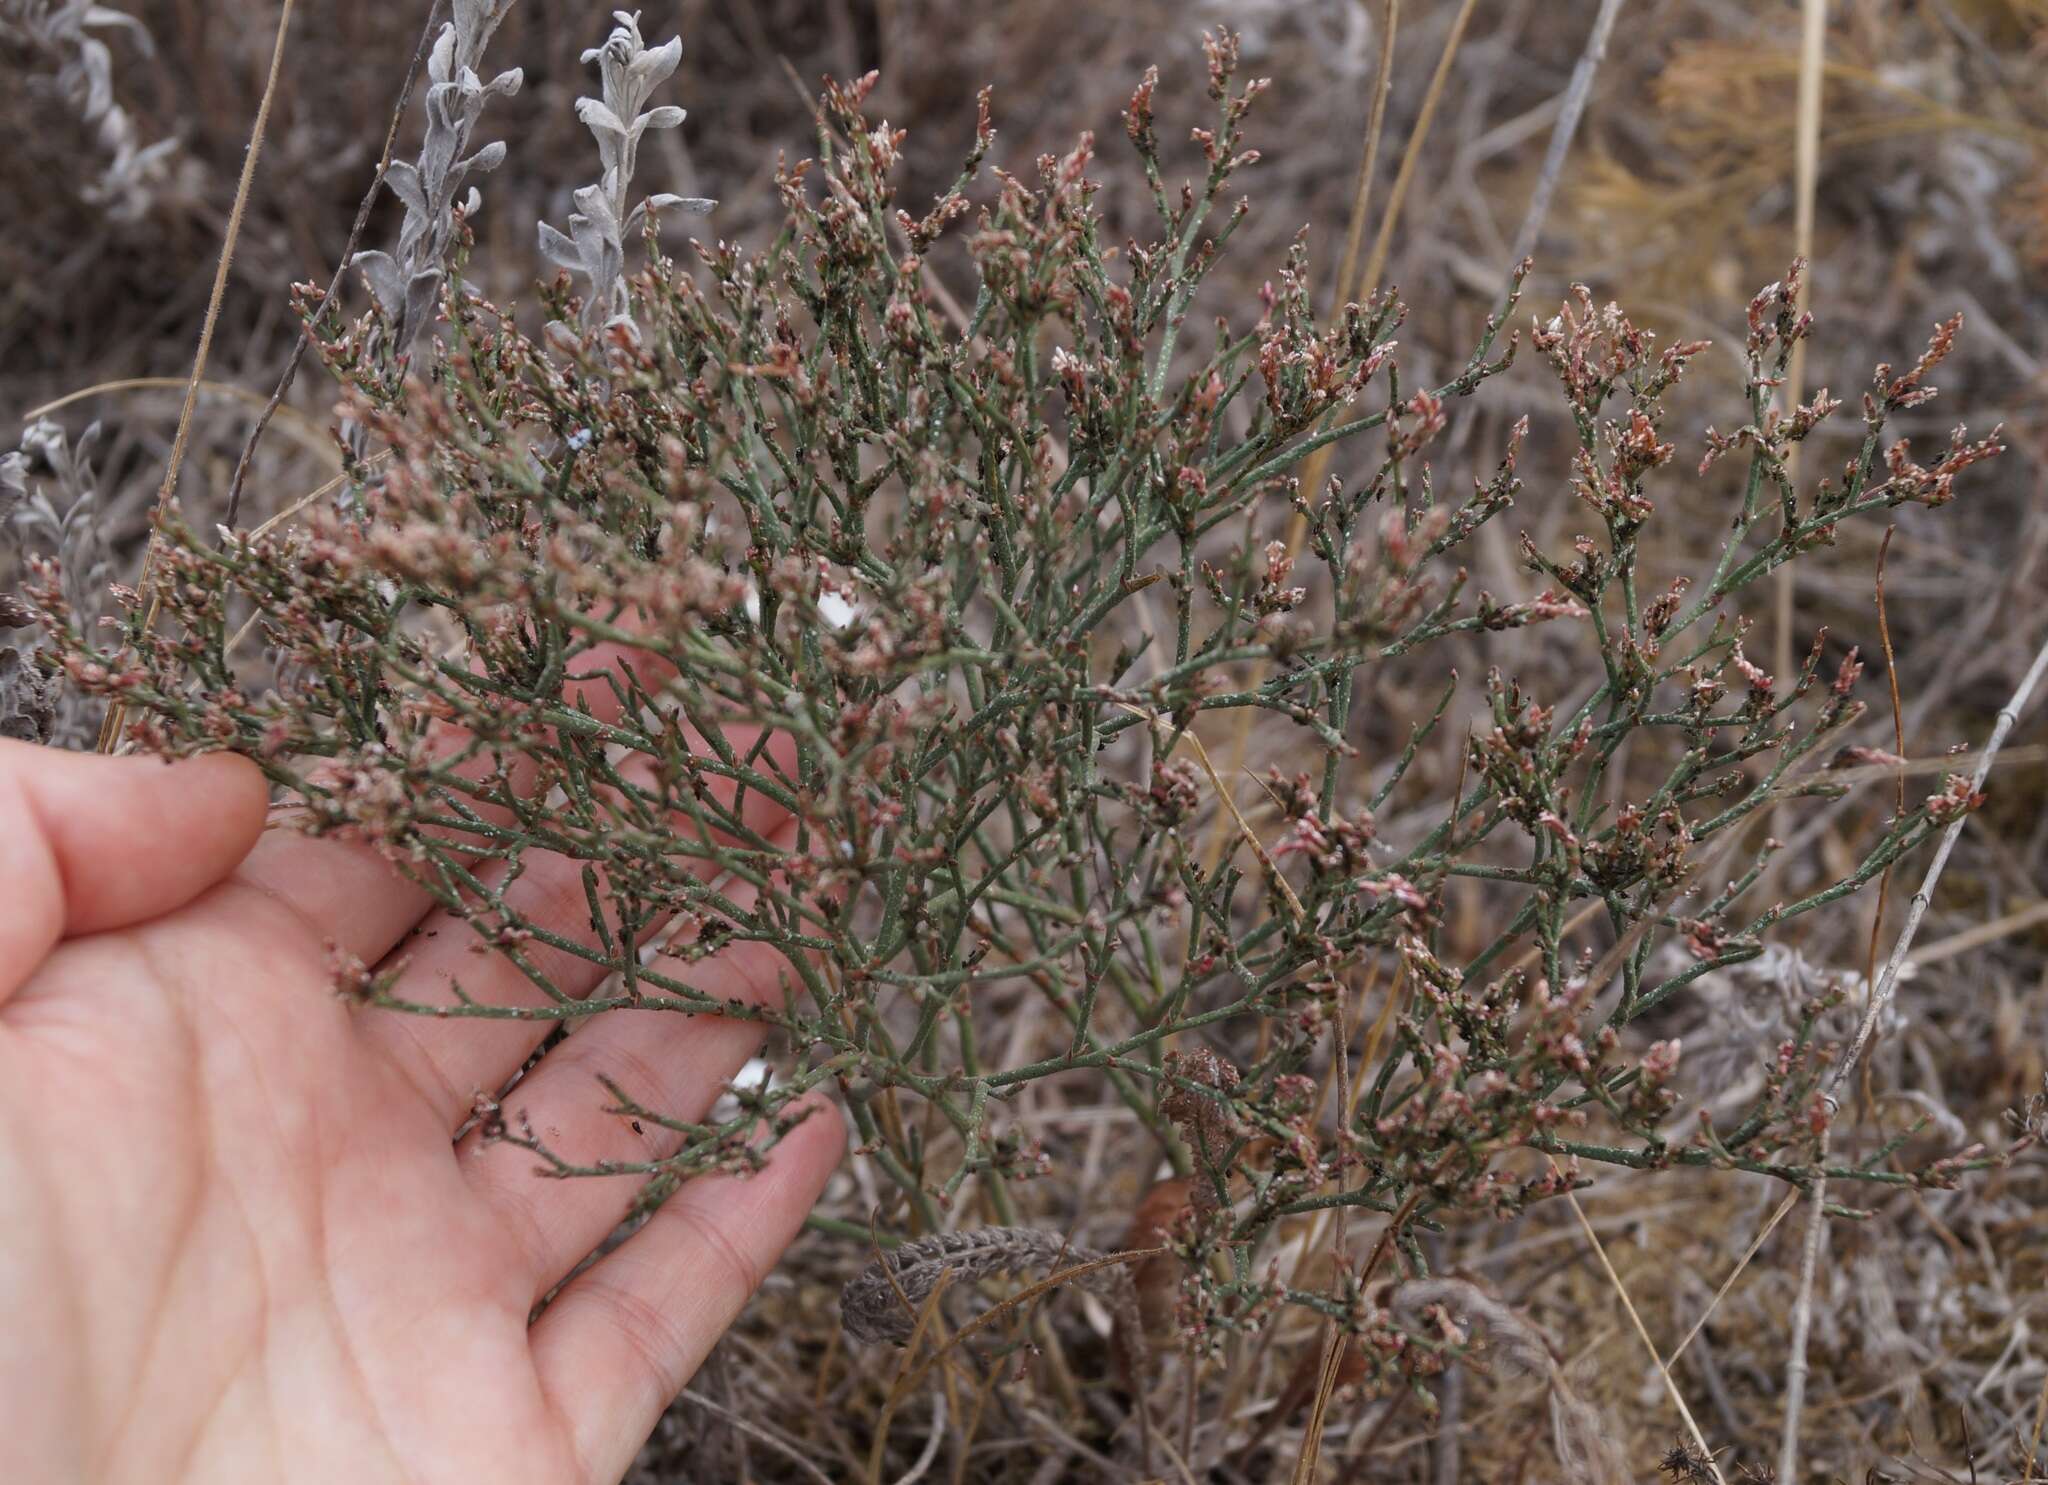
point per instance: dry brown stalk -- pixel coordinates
(304, 429)
(275, 402)
(1755, 1243)
(110, 730)
(1642, 1333)
(1311, 1454)
(1891, 676)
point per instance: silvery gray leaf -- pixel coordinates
(45, 442)
(105, 17)
(13, 483)
(595, 243)
(380, 272)
(593, 203)
(596, 116)
(407, 280)
(35, 706)
(420, 292)
(653, 68)
(662, 202)
(404, 182)
(98, 67)
(558, 248)
(441, 63)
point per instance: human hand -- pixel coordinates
(238, 1240)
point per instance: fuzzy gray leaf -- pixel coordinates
(487, 159)
(404, 182)
(598, 118)
(654, 67)
(559, 248)
(380, 273)
(420, 292)
(13, 484)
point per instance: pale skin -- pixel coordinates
(239, 1238)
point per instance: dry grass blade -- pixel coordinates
(935, 1436)
(2034, 1441)
(1891, 676)
(1802, 1315)
(2018, 921)
(1230, 808)
(1177, 1460)
(1806, 189)
(1881, 992)
(757, 1433)
(1940, 763)
(1310, 1457)
(272, 523)
(1635, 1319)
(1755, 1243)
(110, 730)
(1411, 158)
(275, 402)
(303, 428)
(905, 1380)
(1368, 162)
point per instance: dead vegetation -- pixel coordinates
(1678, 195)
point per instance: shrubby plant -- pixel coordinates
(605, 219)
(406, 282)
(35, 705)
(958, 587)
(60, 53)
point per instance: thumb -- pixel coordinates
(89, 843)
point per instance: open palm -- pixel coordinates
(238, 1239)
